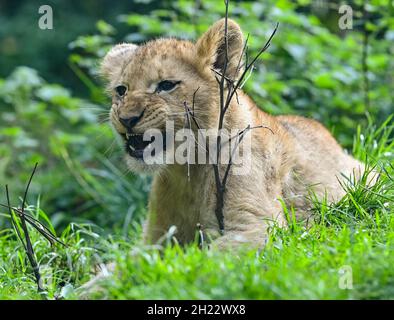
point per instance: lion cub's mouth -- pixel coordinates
(135, 145)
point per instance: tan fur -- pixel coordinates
(299, 154)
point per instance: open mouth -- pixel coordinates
(135, 145)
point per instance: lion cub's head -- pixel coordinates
(153, 84)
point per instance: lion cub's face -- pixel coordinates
(153, 86)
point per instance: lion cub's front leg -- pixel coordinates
(251, 205)
(250, 232)
(248, 214)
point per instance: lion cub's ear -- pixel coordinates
(211, 48)
(115, 60)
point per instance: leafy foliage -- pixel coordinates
(312, 67)
(67, 136)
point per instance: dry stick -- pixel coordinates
(194, 99)
(250, 65)
(243, 52)
(191, 114)
(224, 105)
(239, 137)
(189, 127)
(193, 117)
(188, 122)
(219, 187)
(28, 246)
(36, 224)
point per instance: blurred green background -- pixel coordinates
(53, 110)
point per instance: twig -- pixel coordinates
(232, 88)
(239, 136)
(225, 82)
(35, 223)
(27, 241)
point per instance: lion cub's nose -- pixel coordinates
(129, 123)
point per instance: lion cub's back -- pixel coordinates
(320, 159)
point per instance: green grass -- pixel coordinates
(351, 241)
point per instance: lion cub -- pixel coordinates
(152, 83)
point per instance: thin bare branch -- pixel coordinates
(250, 65)
(35, 223)
(232, 88)
(239, 138)
(243, 52)
(27, 242)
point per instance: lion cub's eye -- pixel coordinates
(166, 85)
(121, 90)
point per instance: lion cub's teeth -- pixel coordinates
(128, 135)
(131, 148)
